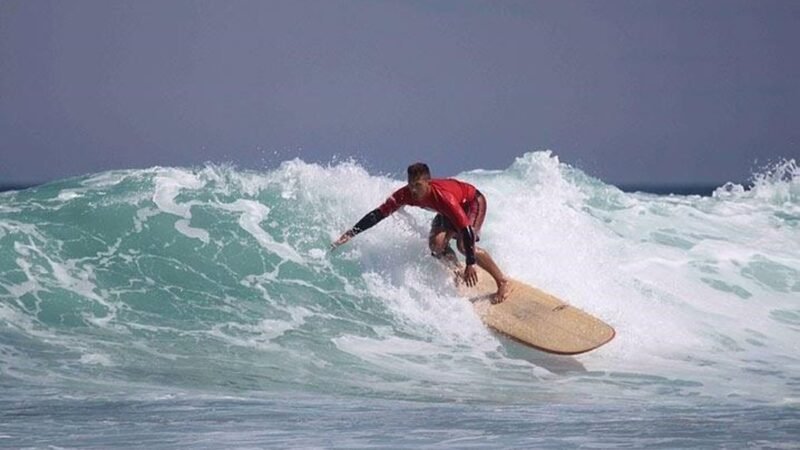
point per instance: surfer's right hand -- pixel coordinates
(342, 240)
(470, 276)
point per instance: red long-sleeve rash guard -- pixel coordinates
(446, 196)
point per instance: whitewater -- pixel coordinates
(200, 308)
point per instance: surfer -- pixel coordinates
(460, 209)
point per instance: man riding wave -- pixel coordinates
(460, 209)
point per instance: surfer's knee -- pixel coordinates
(437, 255)
(436, 241)
(437, 248)
(441, 250)
(438, 244)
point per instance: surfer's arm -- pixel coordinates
(392, 204)
(366, 222)
(468, 240)
(470, 276)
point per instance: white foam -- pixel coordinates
(96, 359)
(141, 217)
(71, 275)
(413, 298)
(697, 288)
(253, 213)
(668, 273)
(105, 179)
(69, 194)
(169, 184)
(182, 226)
(9, 209)
(262, 334)
(776, 184)
(317, 253)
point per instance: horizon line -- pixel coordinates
(697, 188)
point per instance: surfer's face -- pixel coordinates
(419, 187)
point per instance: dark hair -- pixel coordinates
(417, 170)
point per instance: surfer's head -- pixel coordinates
(419, 176)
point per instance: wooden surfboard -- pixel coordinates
(536, 318)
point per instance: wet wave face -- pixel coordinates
(217, 280)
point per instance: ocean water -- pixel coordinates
(200, 308)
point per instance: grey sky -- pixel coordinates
(641, 91)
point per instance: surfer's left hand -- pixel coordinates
(470, 275)
(457, 276)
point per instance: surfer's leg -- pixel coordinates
(486, 262)
(439, 244)
(476, 213)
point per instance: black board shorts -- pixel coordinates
(476, 212)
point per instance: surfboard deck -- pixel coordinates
(536, 318)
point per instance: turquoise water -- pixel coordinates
(177, 308)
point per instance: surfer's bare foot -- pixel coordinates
(503, 289)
